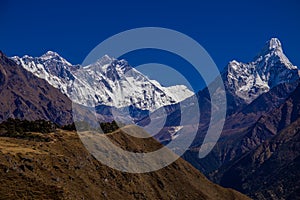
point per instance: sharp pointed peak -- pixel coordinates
(271, 47)
(52, 55)
(273, 43)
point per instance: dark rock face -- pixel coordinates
(24, 96)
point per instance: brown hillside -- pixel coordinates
(63, 169)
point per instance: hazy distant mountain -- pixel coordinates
(108, 82)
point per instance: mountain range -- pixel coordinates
(108, 81)
(259, 141)
(56, 165)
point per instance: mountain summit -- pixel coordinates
(273, 44)
(267, 70)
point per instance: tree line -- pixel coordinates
(24, 129)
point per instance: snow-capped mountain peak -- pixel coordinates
(274, 44)
(108, 81)
(272, 52)
(267, 70)
(51, 55)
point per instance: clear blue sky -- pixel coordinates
(226, 29)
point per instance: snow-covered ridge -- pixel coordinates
(267, 70)
(108, 81)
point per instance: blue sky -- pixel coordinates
(226, 29)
